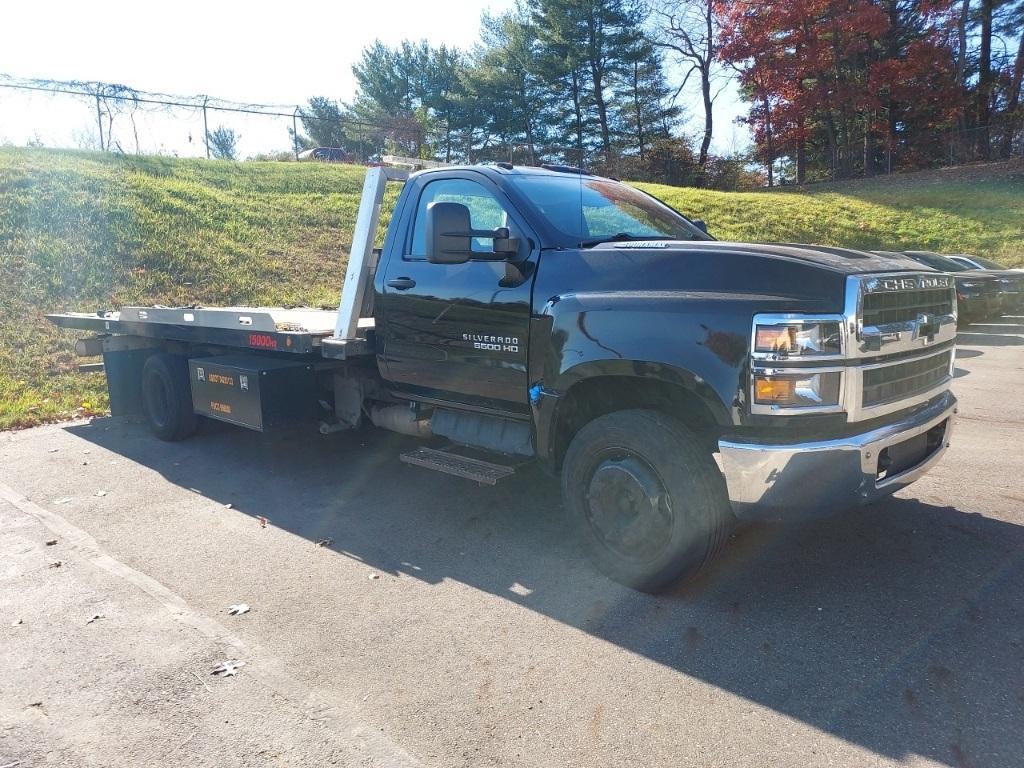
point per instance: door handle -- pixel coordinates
(401, 283)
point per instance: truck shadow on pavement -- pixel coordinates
(895, 627)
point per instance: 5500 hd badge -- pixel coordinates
(492, 343)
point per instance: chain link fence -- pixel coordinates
(118, 118)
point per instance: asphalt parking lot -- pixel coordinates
(400, 617)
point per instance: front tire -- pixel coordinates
(167, 397)
(645, 498)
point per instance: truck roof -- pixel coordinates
(509, 169)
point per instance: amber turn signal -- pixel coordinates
(774, 391)
(797, 390)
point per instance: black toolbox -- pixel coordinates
(260, 393)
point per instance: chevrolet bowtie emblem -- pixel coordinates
(926, 326)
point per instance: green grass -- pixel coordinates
(984, 217)
(83, 231)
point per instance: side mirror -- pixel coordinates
(699, 224)
(450, 237)
(448, 233)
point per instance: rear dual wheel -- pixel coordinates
(645, 497)
(167, 397)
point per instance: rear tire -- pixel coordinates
(167, 397)
(646, 498)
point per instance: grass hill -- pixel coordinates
(82, 230)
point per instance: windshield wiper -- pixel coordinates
(622, 236)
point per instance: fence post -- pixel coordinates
(99, 120)
(295, 132)
(206, 128)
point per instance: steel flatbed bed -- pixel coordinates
(270, 329)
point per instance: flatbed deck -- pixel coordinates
(272, 329)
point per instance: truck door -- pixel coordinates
(451, 332)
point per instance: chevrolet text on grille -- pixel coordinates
(908, 284)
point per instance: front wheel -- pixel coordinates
(645, 498)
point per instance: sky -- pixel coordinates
(243, 52)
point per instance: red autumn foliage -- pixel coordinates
(838, 84)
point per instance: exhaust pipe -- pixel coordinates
(400, 418)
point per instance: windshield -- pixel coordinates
(587, 211)
(935, 261)
(987, 263)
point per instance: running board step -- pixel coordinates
(481, 471)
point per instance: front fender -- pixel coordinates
(697, 342)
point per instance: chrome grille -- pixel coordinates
(904, 306)
(899, 312)
(901, 380)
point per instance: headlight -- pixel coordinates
(795, 390)
(798, 339)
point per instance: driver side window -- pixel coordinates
(485, 212)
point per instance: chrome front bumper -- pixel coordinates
(820, 478)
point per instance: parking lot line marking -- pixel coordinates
(263, 666)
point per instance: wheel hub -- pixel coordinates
(629, 507)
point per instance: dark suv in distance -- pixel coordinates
(1012, 280)
(979, 295)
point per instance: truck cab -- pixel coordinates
(673, 382)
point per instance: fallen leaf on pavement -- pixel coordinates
(228, 668)
(238, 610)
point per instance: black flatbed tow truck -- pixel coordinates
(674, 382)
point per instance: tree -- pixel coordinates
(555, 80)
(585, 39)
(442, 89)
(403, 91)
(828, 77)
(1012, 117)
(987, 73)
(690, 29)
(644, 99)
(504, 71)
(322, 121)
(963, 18)
(914, 77)
(986, 78)
(223, 143)
(560, 64)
